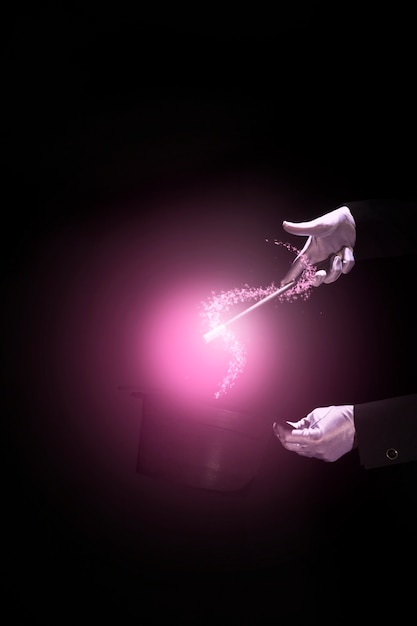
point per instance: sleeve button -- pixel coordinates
(391, 454)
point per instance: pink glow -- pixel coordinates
(176, 355)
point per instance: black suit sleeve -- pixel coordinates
(386, 431)
(384, 228)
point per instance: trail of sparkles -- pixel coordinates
(213, 310)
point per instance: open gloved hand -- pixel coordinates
(327, 433)
(330, 237)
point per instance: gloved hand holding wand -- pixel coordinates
(330, 237)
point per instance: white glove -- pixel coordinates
(327, 433)
(332, 237)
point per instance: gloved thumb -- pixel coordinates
(314, 228)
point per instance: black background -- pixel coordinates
(122, 129)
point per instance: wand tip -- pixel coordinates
(214, 333)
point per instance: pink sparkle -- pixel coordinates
(214, 309)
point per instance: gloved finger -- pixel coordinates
(303, 435)
(335, 270)
(304, 422)
(296, 269)
(319, 277)
(300, 449)
(315, 228)
(299, 264)
(281, 430)
(284, 431)
(348, 260)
